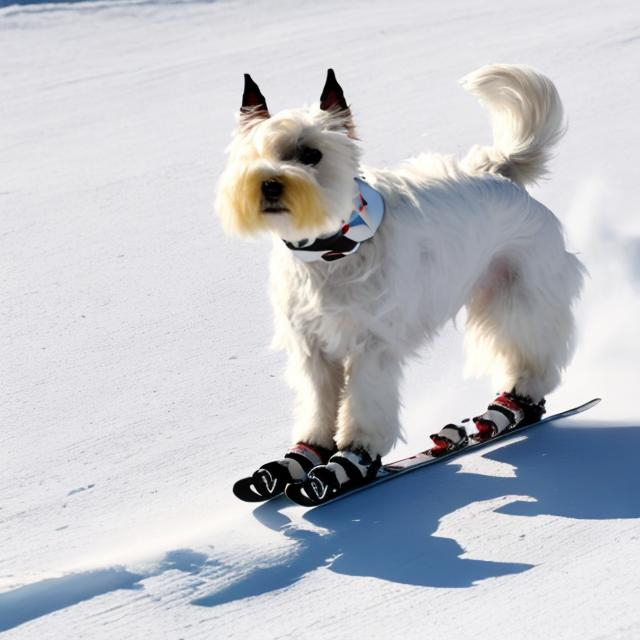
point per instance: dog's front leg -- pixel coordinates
(368, 416)
(368, 425)
(318, 382)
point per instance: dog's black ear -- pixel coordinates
(254, 104)
(333, 101)
(332, 97)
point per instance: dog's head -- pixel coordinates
(291, 173)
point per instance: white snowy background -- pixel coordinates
(137, 383)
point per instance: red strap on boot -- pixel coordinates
(502, 414)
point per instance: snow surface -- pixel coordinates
(137, 382)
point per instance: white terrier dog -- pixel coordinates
(368, 264)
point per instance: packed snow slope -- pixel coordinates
(137, 379)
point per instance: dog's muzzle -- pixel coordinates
(271, 192)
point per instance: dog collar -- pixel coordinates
(367, 214)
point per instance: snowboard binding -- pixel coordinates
(450, 438)
(271, 478)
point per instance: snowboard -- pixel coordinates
(425, 458)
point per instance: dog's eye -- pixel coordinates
(310, 156)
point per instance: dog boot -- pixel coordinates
(508, 411)
(346, 470)
(271, 478)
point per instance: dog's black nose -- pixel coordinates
(271, 190)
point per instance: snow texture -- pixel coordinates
(137, 382)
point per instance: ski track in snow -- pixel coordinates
(137, 379)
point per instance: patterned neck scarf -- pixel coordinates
(367, 214)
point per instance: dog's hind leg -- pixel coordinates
(520, 325)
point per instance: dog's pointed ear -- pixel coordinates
(332, 98)
(254, 105)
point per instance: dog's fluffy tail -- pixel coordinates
(527, 119)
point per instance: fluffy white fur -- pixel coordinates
(455, 233)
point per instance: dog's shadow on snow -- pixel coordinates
(585, 472)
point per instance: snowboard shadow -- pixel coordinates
(388, 532)
(53, 594)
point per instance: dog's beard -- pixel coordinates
(299, 212)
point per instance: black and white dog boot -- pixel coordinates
(508, 411)
(346, 470)
(271, 478)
